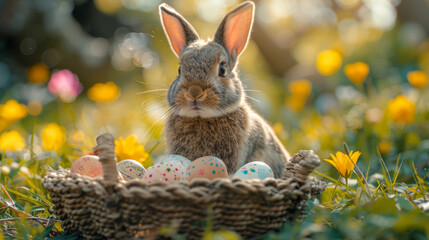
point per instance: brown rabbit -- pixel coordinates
(209, 113)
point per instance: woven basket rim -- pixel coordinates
(249, 185)
(106, 207)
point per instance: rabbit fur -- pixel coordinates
(209, 115)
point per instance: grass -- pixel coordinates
(365, 208)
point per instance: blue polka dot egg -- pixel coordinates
(176, 158)
(254, 170)
(206, 167)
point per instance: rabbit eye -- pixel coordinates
(179, 70)
(222, 69)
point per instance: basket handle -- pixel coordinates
(301, 165)
(106, 152)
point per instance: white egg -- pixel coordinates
(255, 170)
(165, 172)
(131, 169)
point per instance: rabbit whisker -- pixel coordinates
(154, 90)
(156, 124)
(150, 99)
(252, 90)
(254, 99)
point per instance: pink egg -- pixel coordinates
(206, 167)
(165, 172)
(88, 165)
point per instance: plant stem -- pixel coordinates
(346, 147)
(347, 184)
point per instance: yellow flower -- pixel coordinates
(342, 162)
(300, 88)
(278, 128)
(418, 79)
(328, 62)
(295, 103)
(104, 92)
(76, 136)
(401, 110)
(221, 235)
(53, 137)
(384, 146)
(357, 72)
(129, 149)
(38, 73)
(12, 110)
(11, 141)
(412, 139)
(108, 6)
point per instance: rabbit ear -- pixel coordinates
(234, 31)
(179, 32)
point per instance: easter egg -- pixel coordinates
(88, 165)
(176, 158)
(206, 167)
(165, 172)
(255, 170)
(131, 169)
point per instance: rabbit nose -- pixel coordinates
(195, 93)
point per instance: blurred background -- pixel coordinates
(322, 72)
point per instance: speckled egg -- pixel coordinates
(131, 169)
(255, 170)
(207, 167)
(165, 172)
(176, 158)
(88, 165)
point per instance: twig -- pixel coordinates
(16, 211)
(37, 219)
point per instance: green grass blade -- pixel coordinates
(386, 173)
(333, 180)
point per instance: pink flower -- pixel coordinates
(65, 85)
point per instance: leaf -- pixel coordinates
(385, 170)
(413, 220)
(383, 206)
(58, 226)
(398, 167)
(404, 203)
(333, 180)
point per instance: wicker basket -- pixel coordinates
(109, 209)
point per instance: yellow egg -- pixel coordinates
(88, 165)
(207, 167)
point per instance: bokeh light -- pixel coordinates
(65, 85)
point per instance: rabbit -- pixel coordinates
(209, 114)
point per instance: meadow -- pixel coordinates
(345, 78)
